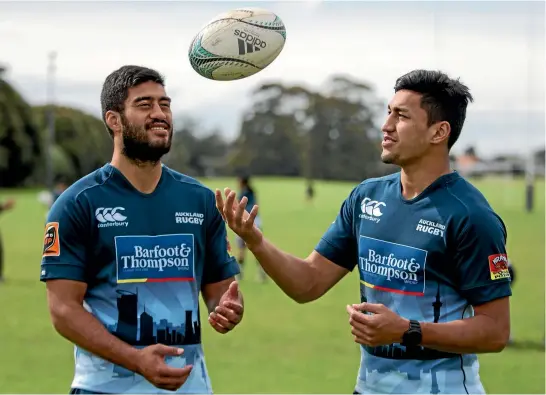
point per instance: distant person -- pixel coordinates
(47, 198)
(246, 190)
(6, 206)
(61, 185)
(128, 251)
(310, 192)
(430, 251)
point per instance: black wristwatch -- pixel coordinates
(413, 336)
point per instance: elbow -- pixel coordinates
(308, 295)
(499, 340)
(501, 343)
(303, 298)
(59, 315)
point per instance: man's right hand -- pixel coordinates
(151, 365)
(238, 219)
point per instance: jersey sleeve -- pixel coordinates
(219, 263)
(339, 243)
(481, 259)
(65, 242)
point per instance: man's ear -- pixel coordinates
(113, 120)
(441, 133)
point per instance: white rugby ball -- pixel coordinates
(237, 44)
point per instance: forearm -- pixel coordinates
(292, 274)
(83, 329)
(478, 334)
(212, 302)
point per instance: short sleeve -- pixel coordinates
(65, 242)
(481, 260)
(219, 263)
(339, 244)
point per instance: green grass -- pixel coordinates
(281, 347)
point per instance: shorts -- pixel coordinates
(240, 242)
(80, 391)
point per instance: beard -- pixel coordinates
(137, 146)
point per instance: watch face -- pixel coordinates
(412, 337)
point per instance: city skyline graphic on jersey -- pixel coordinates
(143, 329)
(405, 356)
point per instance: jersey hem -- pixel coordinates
(62, 271)
(233, 270)
(479, 301)
(325, 255)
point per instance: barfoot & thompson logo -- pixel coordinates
(155, 258)
(392, 267)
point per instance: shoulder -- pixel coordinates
(186, 181)
(375, 184)
(470, 209)
(77, 194)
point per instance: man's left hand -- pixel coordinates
(383, 327)
(229, 311)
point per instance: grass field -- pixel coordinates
(281, 347)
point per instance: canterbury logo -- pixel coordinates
(110, 214)
(372, 207)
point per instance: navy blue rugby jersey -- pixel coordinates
(144, 258)
(430, 259)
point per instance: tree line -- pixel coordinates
(288, 130)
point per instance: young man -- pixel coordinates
(129, 248)
(430, 251)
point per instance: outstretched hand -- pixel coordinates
(237, 218)
(229, 311)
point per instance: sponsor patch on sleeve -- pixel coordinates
(498, 266)
(52, 247)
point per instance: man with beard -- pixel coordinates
(429, 249)
(129, 248)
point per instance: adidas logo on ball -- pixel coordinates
(237, 44)
(248, 43)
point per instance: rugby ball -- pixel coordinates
(237, 44)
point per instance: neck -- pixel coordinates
(143, 176)
(416, 177)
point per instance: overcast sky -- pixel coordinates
(496, 48)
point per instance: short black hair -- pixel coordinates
(443, 98)
(116, 87)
